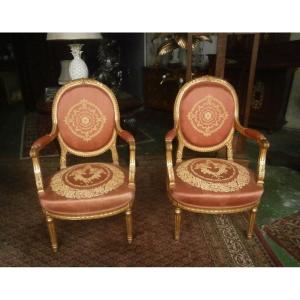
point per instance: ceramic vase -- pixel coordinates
(78, 68)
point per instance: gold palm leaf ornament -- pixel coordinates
(167, 47)
(178, 40)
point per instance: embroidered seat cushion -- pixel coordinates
(216, 183)
(87, 188)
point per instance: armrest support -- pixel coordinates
(128, 138)
(36, 147)
(263, 148)
(169, 147)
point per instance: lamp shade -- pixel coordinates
(53, 36)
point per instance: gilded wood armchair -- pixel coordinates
(85, 119)
(205, 118)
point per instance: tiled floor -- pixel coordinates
(282, 190)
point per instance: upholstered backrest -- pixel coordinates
(206, 109)
(85, 116)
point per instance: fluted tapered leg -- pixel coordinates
(52, 233)
(177, 223)
(129, 225)
(251, 222)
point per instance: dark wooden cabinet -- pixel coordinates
(277, 59)
(161, 86)
(270, 98)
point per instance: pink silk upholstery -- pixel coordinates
(117, 198)
(222, 106)
(254, 134)
(192, 196)
(126, 136)
(41, 142)
(85, 117)
(170, 136)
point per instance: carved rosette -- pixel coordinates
(87, 180)
(208, 115)
(85, 120)
(213, 175)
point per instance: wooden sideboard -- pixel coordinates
(161, 86)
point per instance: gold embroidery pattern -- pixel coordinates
(207, 115)
(213, 175)
(87, 180)
(85, 120)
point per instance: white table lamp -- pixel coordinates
(77, 67)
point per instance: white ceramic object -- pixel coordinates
(78, 68)
(64, 76)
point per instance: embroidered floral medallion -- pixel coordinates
(213, 175)
(208, 115)
(87, 180)
(85, 120)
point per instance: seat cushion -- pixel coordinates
(87, 188)
(214, 183)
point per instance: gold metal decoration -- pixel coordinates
(65, 149)
(182, 142)
(178, 40)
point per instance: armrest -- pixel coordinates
(250, 133)
(41, 143)
(170, 136)
(169, 147)
(36, 147)
(128, 138)
(263, 148)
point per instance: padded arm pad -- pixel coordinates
(126, 136)
(41, 143)
(171, 135)
(254, 134)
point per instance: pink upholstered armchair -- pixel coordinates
(205, 118)
(86, 121)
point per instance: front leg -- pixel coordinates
(177, 223)
(128, 215)
(251, 222)
(52, 232)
